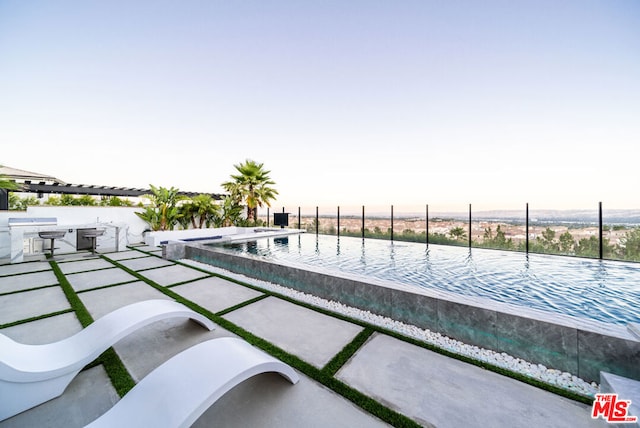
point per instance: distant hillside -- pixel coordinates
(623, 217)
(626, 217)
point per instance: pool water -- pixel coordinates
(602, 290)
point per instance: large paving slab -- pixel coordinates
(88, 280)
(29, 304)
(87, 397)
(431, 388)
(314, 337)
(23, 268)
(79, 255)
(269, 401)
(124, 255)
(84, 265)
(148, 262)
(45, 330)
(102, 301)
(147, 248)
(27, 281)
(215, 294)
(172, 274)
(147, 348)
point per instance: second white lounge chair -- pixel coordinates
(33, 374)
(180, 390)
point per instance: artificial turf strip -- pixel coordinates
(41, 317)
(341, 358)
(118, 374)
(76, 304)
(242, 305)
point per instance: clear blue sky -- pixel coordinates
(494, 103)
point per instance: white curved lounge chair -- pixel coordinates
(179, 391)
(33, 374)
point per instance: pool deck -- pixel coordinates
(427, 387)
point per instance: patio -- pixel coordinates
(333, 354)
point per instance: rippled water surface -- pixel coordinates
(606, 291)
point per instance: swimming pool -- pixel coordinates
(606, 291)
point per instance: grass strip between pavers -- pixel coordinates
(120, 378)
(242, 305)
(41, 317)
(341, 358)
(367, 403)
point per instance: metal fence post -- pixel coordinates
(338, 221)
(470, 239)
(601, 249)
(427, 224)
(298, 217)
(267, 216)
(392, 222)
(363, 221)
(317, 221)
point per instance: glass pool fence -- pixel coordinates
(596, 232)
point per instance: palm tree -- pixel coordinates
(231, 212)
(252, 185)
(200, 210)
(164, 214)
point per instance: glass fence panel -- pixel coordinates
(328, 220)
(502, 229)
(621, 234)
(559, 232)
(410, 223)
(377, 222)
(573, 233)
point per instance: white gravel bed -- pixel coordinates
(536, 371)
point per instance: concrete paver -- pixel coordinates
(432, 388)
(45, 330)
(314, 337)
(142, 263)
(269, 401)
(89, 395)
(172, 274)
(101, 302)
(124, 255)
(29, 304)
(27, 281)
(88, 280)
(215, 294)
(147, 248)
(147, 348)
(83, 265)
(23, 268)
